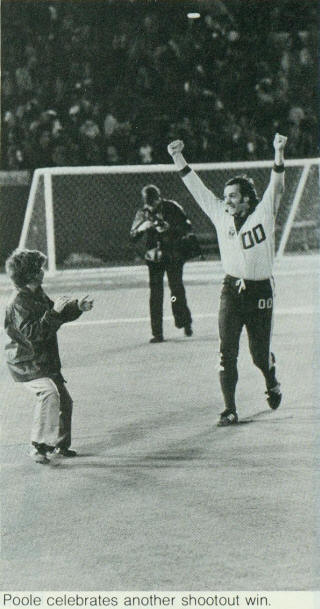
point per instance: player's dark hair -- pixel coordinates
(150, 194)
(23, 265)
(247, 188)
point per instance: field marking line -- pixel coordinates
(132, 282)
(289, 265)
(133, 320)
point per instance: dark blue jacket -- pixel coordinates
(31, 325)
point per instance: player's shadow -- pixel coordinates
(160, 459)
(183, 340)
(176, 452)
(174, 455)
(253, 418)
(141, 428)
(256, 418)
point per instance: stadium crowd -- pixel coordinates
(108, 82)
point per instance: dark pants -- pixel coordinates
(252, 308)
(65, 415)
(180, 310)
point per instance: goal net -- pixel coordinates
(81, 216)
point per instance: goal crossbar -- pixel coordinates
(170, 167)
(43, 183)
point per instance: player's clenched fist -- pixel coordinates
(279, 141)
(175, 147)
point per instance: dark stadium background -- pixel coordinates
(107, 82)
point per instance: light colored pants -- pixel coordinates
(52, 413)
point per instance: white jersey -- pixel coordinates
(248, 254)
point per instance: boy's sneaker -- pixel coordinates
(274, 396)
(227, 417)
(55, 457)
(49, 449)
(66, 452)
(38, 457)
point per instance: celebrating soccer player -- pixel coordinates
(245, 228)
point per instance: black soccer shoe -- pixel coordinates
(157, 339)
(188, 330)
(42, 448)
(38, 457)
(227, 417)
(274, 396)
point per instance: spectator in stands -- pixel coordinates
(145, 153)
(130, 62)
(112, 156)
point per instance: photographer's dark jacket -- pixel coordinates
(169, 241)
(32, 325)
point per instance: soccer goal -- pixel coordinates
(81, 216)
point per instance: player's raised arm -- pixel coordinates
(276, 184)
(207, 200)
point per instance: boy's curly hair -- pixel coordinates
(23, 265)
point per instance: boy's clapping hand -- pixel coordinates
(85, 304)
(60, 303)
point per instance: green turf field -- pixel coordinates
(159, 497)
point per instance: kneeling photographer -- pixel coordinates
(169, 242)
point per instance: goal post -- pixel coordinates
(80, 217)
(48, 195)
(293, 210)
